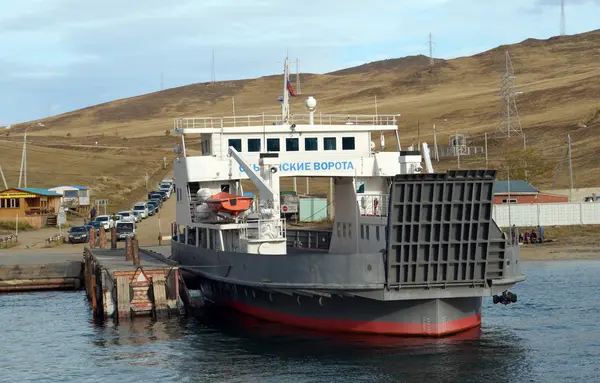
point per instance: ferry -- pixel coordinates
(411, 252)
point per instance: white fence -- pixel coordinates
(547, 214)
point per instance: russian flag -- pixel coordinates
(290, 89)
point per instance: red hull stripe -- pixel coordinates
(355, 326)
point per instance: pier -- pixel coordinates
(128, 282)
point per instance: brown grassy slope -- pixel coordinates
(560, 78)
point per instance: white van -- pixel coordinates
(126, 216)
(142, 208)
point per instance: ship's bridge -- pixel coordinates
(307, 145)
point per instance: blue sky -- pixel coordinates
(62, 55)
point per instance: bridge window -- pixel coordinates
(367, 229)
(348, 143)
(292, 145)
(377, 232)
(236, 143)
(254, 144)
(311, 144)
(329, 143)
(273, 145)
(362, 231)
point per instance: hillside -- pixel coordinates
(559, 78)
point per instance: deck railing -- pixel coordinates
(263, 229)
(266, 120)
(373, 204)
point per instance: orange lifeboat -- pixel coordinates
(228, 203)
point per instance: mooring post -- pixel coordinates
(136, 252)
(113, 237)
(128, 249)
(102, 238)
(92, 238)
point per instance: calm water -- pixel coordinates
(550, 335)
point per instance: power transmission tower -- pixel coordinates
(431, 61)
(563, 23)
(510, 124)
(212, 78)
(298, 89)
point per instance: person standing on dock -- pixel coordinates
(541, 234)
(93, 214)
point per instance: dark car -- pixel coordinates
(97, 225)
(157, 197)
(163, 194)
(152, 208)
(79, 234)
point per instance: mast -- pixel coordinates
(285, 104)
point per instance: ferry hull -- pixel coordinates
(431, 317)
(335, 313)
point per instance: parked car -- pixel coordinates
(152, 207)
(138, 216)
(96, 225)
(106, 221)
(78, 234)
(125, 230)
(155, 196)
(127, 216)
(163, 195)
(166, 190)
(142, 208)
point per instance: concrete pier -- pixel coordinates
(40, 269)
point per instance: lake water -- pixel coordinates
(551, 335)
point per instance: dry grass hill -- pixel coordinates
(559, 78)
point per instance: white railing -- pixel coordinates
(265, 120)
(373, 204)
(263, 229)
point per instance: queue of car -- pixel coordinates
(125, 221)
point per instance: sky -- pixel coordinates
(62, 55)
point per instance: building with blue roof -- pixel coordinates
(34, 206)
(520, 191)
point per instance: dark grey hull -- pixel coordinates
(325, 309)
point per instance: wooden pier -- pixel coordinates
(130, 282)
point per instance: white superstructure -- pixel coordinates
(262, 148)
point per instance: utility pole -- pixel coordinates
(162, 83)
(3, 179)
(486, 152)
(435, 147)
(525, 157)
(570, 169)
(233, 106)
(307, 185)
(457, 150)
(418, 134)
(212, 80)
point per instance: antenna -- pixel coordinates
(212, 78)
(510, 123)
(563, 26)
(431, 61)
(298, 89)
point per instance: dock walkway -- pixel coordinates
(131, 282)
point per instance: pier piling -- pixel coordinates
(125, 283)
